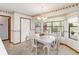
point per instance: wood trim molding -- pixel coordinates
(9, 29)
(69, 47)
(5, 40)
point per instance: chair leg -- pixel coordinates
(36, 51)
(44, 49)
(47, 51)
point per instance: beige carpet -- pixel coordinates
(24, 49)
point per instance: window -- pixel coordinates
(55, 26)
(73, 27)
(47, 27)
(38, 27)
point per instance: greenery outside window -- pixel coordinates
(73, 28)
(55, 26)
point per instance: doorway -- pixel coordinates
(24, 28)
(5, 27)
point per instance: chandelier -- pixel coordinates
(43, 15)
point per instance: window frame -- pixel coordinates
(52, 27)
(69, 30)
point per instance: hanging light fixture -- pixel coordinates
(42, 16)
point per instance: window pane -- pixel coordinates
(62, 23)
(38, 30)
(73, 33)
(73, 28)
(73, 19)
(49, 29)
(49, 24)
(75, 24)
(37, 27)
(55, 29)
(56, 23)
(55, 26)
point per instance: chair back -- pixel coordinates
(32, 39)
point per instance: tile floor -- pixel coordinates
(24, 49)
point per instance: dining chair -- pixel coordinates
(47, 47)
(55, 44)
(33, 43)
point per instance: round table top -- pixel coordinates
(46, 39)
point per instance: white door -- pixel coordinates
(4, 27)
(25, 28)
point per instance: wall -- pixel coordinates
(15, 24)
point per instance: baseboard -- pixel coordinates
(16, 43)
(69, 47)
(5, 40)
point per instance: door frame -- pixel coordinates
(9, 27)
(21, 23)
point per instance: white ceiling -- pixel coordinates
(31, 8)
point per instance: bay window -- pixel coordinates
(55, 26)
(73, 28)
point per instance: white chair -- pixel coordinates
(55, 44)
(33, 43)
(48, 46)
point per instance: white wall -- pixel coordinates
(15, 25)
(4, 27)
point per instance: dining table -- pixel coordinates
(46, 40)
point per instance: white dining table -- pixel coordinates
(47, 40)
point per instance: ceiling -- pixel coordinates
(31, 8)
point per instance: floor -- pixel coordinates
(24, 49)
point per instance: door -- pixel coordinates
(25, 28)
(4, 27)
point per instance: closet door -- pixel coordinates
(25, 28)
